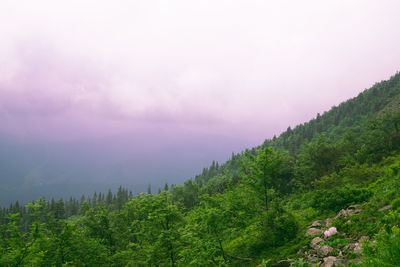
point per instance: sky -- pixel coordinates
(242, 69)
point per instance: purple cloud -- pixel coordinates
(231, 68)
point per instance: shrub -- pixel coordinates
(396, 204)
(335, 242)
(386, 251)
(339, 198)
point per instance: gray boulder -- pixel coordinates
(325, 250)
(313, 231)
(314, 243)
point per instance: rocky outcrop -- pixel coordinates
(387, 207)
(357, 248)
(324, 249)
(313, 231)
(350, 211)
(315, 243)
(317, 224)
(332, 261)
(354, 246)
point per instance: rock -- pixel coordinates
(329, 261)
(333, 261)
(313, 231)
(350, 211)
(314, 243)
(341, 213)
(354, 207)
(387, 207)
(325, 250)
(328, 222)
(357, 248)
(316, 224)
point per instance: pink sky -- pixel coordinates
(242, 69)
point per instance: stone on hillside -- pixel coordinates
(333, 261)
(314, 243)
(313, 231)
(357, 248)
(340, 214)
(329, 222)
(325, 250)
(316, 224)
(387, 207)
(329, 261)
(363, 238)
(350, 211)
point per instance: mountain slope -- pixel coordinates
(351, 117)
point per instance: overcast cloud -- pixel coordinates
(244, 69)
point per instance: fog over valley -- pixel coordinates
(32, 169)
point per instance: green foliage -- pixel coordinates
(339, 198)
(299, 263)
(386, 250)
(396, 204)
(260, 171)
(334, 242)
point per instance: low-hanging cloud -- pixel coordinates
(226, 67)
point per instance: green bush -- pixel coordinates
(396, 204)
(335, 242)
(300, 263)
(339, 198)
(386, 251)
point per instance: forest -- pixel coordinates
(253, 210)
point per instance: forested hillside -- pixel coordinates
(254, 210)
